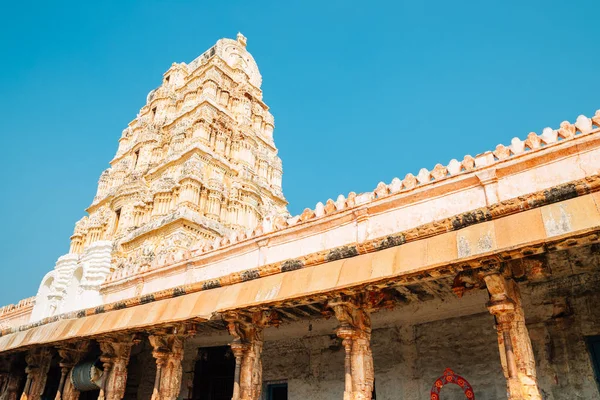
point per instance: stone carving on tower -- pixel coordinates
(197, 163)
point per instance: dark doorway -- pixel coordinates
(213, 374)
(52, 382)
(593, 343)
(141, 372)
(89, 395)
(277, 391)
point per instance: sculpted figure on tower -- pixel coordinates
(197, 164)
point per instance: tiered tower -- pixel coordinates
(196, 164)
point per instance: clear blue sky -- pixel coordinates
(361, 92)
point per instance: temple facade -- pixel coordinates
(188, 279)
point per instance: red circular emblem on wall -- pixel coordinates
(450, 377)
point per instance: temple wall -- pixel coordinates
(562, 358)
(407, 359)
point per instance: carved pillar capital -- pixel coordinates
(166, 345)
(248, 327)
(116, 347)
(71, 353)
(353, 315)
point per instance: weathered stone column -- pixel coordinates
(38, 363)
(167, 347)
(116, 350)
(247, 345)
(70, 354)
(355, 332)
(516, 354)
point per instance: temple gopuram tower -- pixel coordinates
(197, 165)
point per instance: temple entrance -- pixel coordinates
(52, 382)
(141, 372)
(89, 395)
(213, 374)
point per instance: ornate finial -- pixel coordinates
(241, 39)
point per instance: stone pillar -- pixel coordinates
(355, 332)
(38, 363)
(115, 357)
(247, 345)
(70, 354)
(69, 391)
(167, 345)
(516, 354)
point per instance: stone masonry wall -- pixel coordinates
(407, 361)
(563, 314)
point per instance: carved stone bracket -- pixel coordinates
(247, 345)
(167, 345)
(516, 354)
(38, 363)
(355, 331)
(70, 354)
(116, 350)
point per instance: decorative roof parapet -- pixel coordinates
(534, 142)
